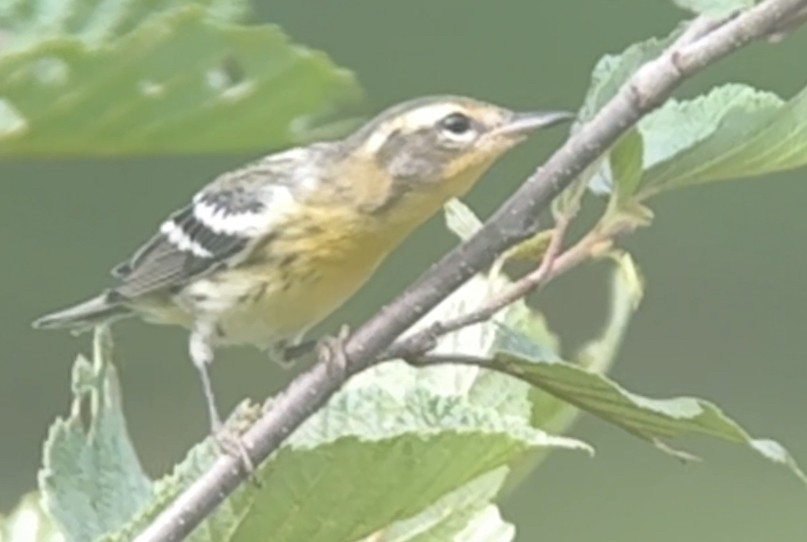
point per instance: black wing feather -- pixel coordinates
(245, 196)
(163, 265)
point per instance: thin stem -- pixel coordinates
(425, 340)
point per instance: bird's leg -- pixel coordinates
(332, 348)
(201, 350)
(289, 353)
(329, 349)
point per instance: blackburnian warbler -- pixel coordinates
(265, 252)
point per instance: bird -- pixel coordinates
(264, 252)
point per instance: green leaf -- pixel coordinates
(364, 465)
(462, 515)
(625, 166)
(27, 23)
(613, 70)
(653, 420)
(91, 479)
(370, 459)
(461, 220)
(28, 522)
(240, 88)
(366, 462)
(734, 131)
(714, 8)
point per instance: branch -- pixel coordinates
(553, 264)
(705, 42)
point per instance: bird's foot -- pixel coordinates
(332, 351)
(228, 440)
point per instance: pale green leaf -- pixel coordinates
(624, 167)
(91, 479)
(239, 88)
(28, 522)
(461, 220)
(654, 420)
(715, 8)
(613, 70)
(365, 462)
(457, 516)
(734, 131)
(369, 460)
(608, 76)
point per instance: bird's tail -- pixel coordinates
(87, 315)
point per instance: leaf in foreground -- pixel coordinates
(363, 464)
(369, 460)
(240, 88)
(654, 420)
(464, 515)
(91, 479)
(25, 24)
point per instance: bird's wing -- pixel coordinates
(217, 230)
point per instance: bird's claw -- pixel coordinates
(229, 442)
(332, 351)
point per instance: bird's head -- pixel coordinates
(444, 141)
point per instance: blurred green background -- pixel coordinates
(724, 316)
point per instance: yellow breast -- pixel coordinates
(303, 275)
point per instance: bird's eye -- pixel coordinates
(456, 123)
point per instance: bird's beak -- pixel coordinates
(522, 124)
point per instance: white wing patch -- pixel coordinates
(182, 240)
(246, 223)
